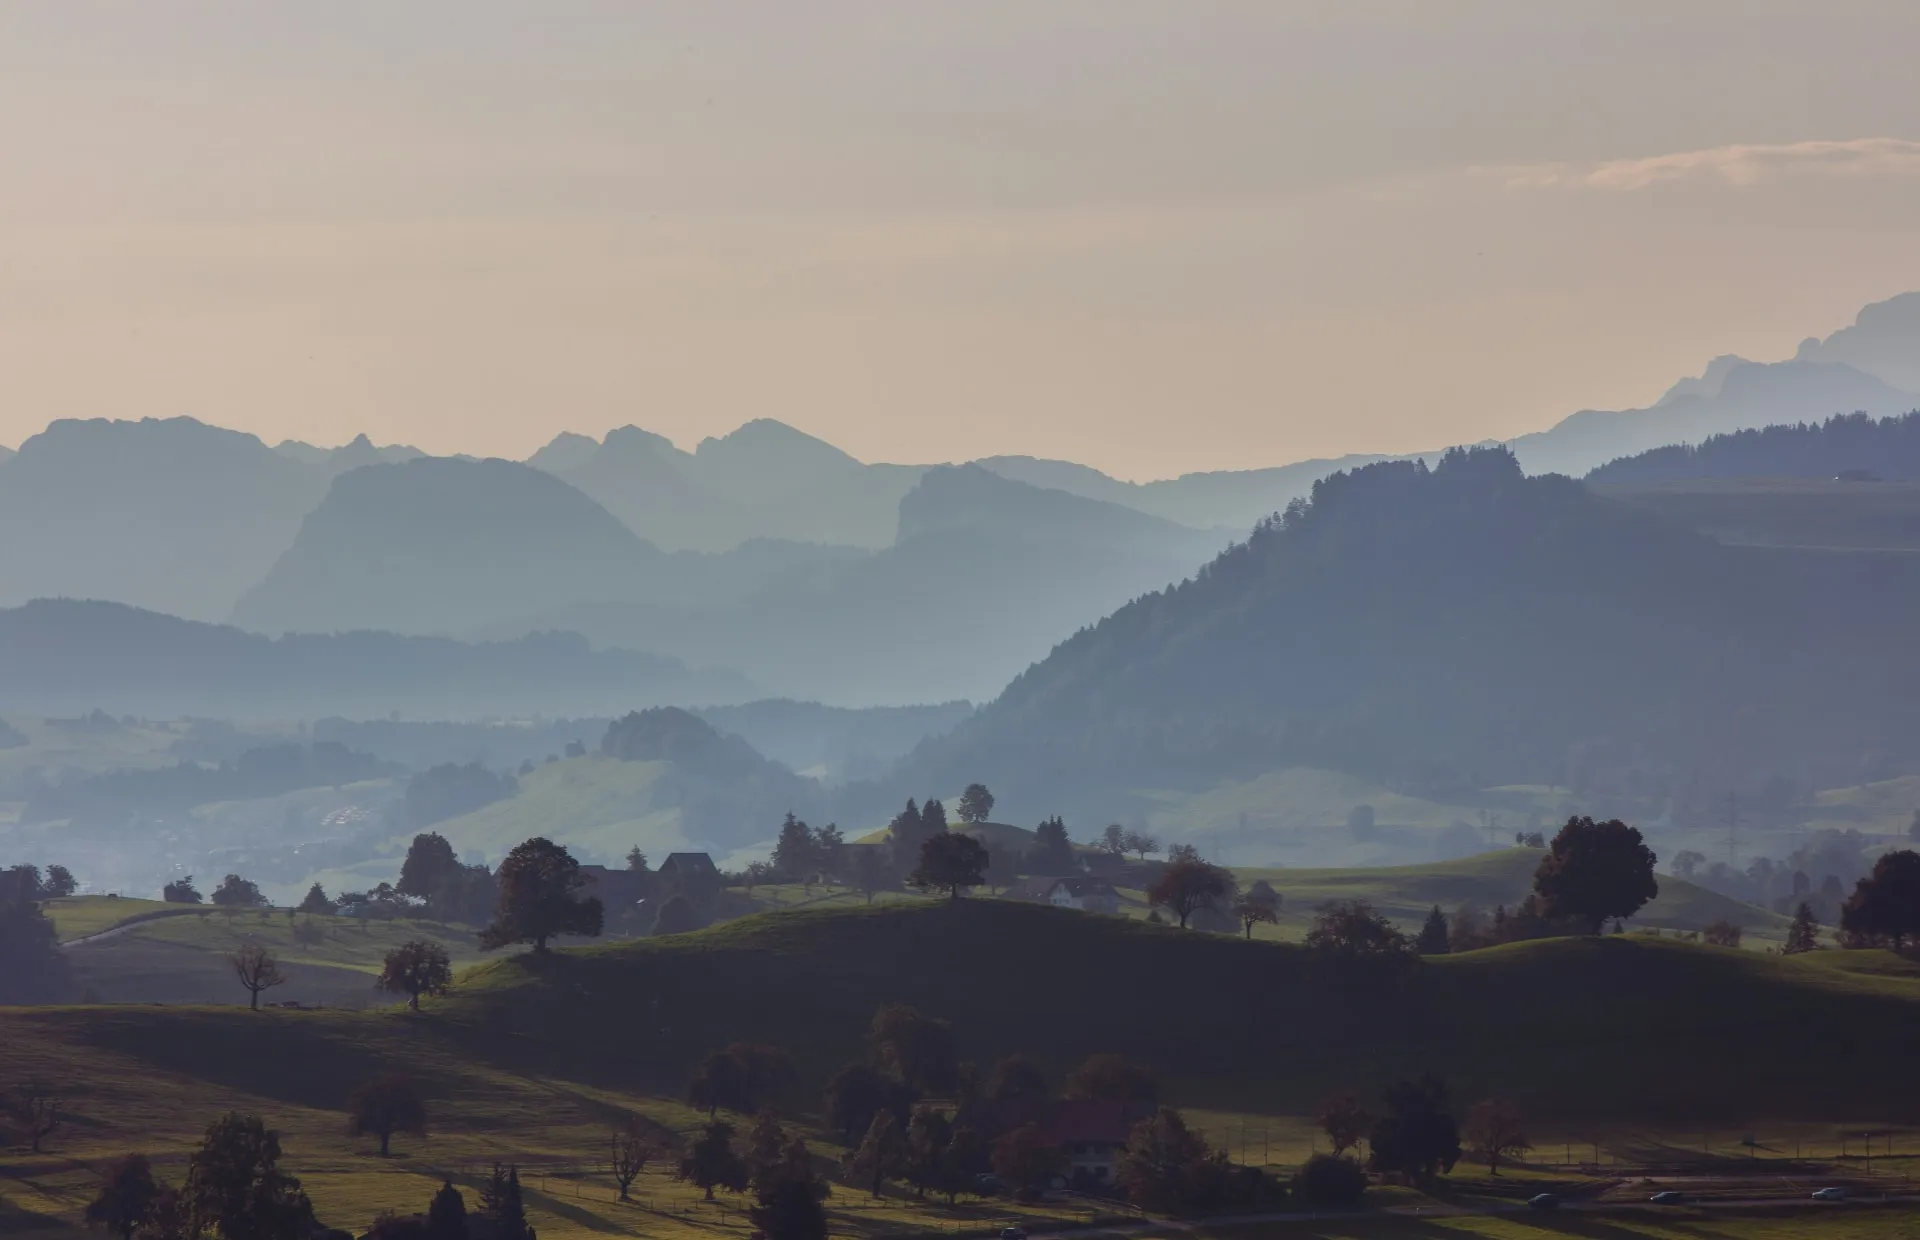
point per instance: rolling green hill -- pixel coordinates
(1405, 893)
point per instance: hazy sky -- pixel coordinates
(1153, 237)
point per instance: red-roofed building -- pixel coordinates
(1091, 1132)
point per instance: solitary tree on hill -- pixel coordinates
(1113, 841)
(236, 892)
(628, 1153)
(1495, 1131)
(1804, 934)
(976, 804)
(316, 903)
(539, 898)
(127, 1195)
(1187, 885)
(386, 1105)
(1142, 843)
(415, 968)
(1594, 871)
(1260, 904)
(950, 862)
(256, 970)
(37, 1111)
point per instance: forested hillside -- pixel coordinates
(1467, 627)
(1886, 448)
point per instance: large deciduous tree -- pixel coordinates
(1495, 1131)
(1885, 905)
(128, 1193)
(540, 898)
(918, 1049)
(1187, 885)
(881, 1154)
(234, 1187)
(951, 863)
(711, 1162)
(386, 1105)
(976, 804)
(417, 967)
(256, 970)
(1595, 871)
(1417, 1135)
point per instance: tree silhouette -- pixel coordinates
(1417, 1135)
(316, 903)
(1259, 904)
(1885, 905)
(711, 1162)
(386, 1105)
(950, 862)
(447, 1214)
(976, 804)
(234, 1185)
(503, 1206)
(1435, 934)
(1052, 851)
(1804, 934)
(256, 970)
(126, 1198)
(1140, 843)
(1594, 871)
(1345, 1121)
(539, 898)
(417, 967)
(1187, 885)
(430, 867)
(628, 1153)
(1495, 1130)
(881, 1154)
(917, 1049)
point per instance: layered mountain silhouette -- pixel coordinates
(64, 657)
(1465, 626)
(985, 577)
(763, 480)
(170, 514)
(1853, 447)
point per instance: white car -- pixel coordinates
(1830, 1194)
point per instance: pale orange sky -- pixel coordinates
(1152, 237)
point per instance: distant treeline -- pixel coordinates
(266, 772)
(1887, 448)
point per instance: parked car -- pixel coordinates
(1544, 1201)
(1669, 1197)
(1013, 1233)
(1834, 1193)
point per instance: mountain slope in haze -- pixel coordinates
(64, 657)
(1233, 500)
(763, 480)
(170, 514)
(986, 577)
(442, 545)
(1883, 341)
(1747, 394)
(1472, 626)
(6, 454)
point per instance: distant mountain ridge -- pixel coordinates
(64, 656)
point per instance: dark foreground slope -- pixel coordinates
(1466, 626)
(1616, 1029)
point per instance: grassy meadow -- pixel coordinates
(533, 1059)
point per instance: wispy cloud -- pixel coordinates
(1739, 165)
